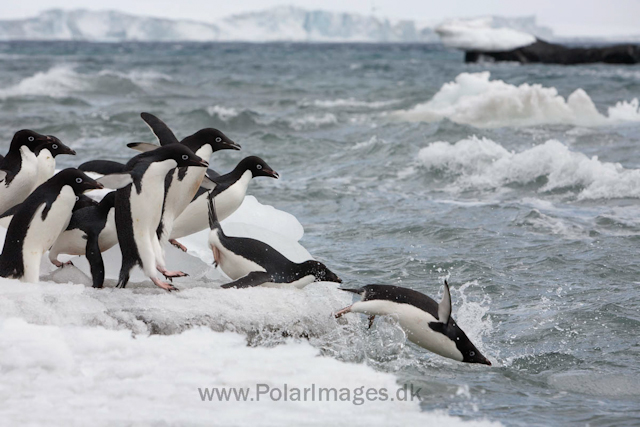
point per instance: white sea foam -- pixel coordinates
(223, 113)
(476, 100)
(313, 121)
(485, 164)
(478, 34)
(349, 103)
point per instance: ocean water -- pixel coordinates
(520, 184)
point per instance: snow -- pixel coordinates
(68, 376)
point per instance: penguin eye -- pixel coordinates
(259, 167)
(54, 146)
(185, 157)
(472, 353)
(31, 139)
(218, 139)
(77, 198)
(79, 180)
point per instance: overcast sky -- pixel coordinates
(566, 17)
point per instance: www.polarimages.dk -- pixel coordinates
(264, 392)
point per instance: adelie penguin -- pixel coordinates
(91, 231)
(39, 221)
(427, 323)
(19, 167)
(230, 190)
(139, 210)
(249, 262)
(182, 183)
(46, 154)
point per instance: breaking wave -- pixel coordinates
(474, 99)
(63, 81)
(485, 164)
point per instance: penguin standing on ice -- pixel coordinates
(250, 262)
(139, 210)
(91, 231)
(19, 167)
(182, 183)
(46, 155)
(230, 190)
(38, 223)
(427, 323)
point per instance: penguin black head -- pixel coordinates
(55, 147)
(30, 139)
(257, 166)
(320, 271)
(77, 180)
(178, 152)
(213, 137)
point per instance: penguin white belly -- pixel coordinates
(196, 216)
(46, 167)
(230, 200)
(42, 234)
(415, 323)
(71, 242)
(22, 184)
(146, 211)
(109, 235)
(180, 195)
(299, 284)
(232, 264)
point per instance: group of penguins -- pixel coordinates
(164, 193)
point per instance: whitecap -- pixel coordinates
(476, 100)
(484, 164)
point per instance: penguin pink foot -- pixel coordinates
(162, 285)
(171, 274)
(61, 264)
(178, 245)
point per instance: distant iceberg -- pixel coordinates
(283, 23)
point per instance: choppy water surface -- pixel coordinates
(528, 202)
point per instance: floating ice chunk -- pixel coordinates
(478, 34)
(476, 100)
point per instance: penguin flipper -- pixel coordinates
(103, 167)
(94, 256)
(142, 147)
(252, 279)
(11, 211)
(211, 174)
(160, 129)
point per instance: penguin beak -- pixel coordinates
(95, 185)
(199, 163)
(272, 173)
(232, 145)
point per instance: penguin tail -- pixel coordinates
(358, 291)
(213, 217)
